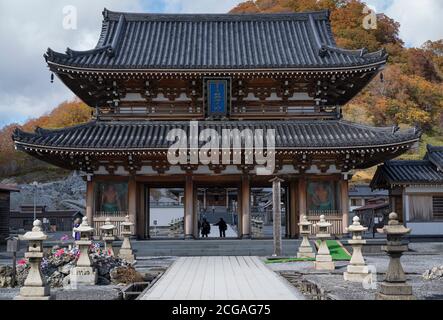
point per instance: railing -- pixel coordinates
(281, 111)
(116, 219)
(332, 216)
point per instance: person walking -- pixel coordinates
(76, 235)
(206, 228)
(222, 227)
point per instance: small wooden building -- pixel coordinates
(5, 195)
(53, 220)
(279, 76)
(415, 191)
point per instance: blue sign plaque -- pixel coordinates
(217, 95)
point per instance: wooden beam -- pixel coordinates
(245, 207)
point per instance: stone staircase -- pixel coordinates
(228, 247)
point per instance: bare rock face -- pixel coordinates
(66, 194)
(436, 273)
(126, 275)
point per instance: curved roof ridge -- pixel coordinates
(143, 16)
(363, 52)
(393, 128)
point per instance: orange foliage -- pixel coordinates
(66, 114)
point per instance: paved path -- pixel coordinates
(221, 278)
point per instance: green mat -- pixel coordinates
(337, 253)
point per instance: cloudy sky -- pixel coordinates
(29, 27)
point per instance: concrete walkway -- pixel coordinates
(221, 278)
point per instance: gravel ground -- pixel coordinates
(414, 264)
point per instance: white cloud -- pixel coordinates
(420, 20)
(199, 6)
(27, 29)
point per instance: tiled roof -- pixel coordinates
(365, 191)
(103, 135)
(435, 155)
(216, 41)
(5, 187)
(406, 173)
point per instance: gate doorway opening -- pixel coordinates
(165, 213)
(217, 212)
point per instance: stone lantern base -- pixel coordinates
(305, 252)
(324, 262)
(395, 291)
(34, 293)
(126, 254)
(83, 276)
(356, 273)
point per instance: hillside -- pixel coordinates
(18, 167)
(409, 92)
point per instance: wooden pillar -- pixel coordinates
(294, 217)
(302, 197)
(141, 213)
(245, 207)
(344, 186)
(227, 198)
(132, 203)
(276, 208)
(90, 201)
(189, 208)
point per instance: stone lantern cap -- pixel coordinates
(36, 234)
(305, 222)
(127, 222)
(356, 226)
(323, 223)
(84, 227)
(108, 225)
(394, 227)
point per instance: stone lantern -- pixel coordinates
(394, 286)
(108, 236)
(35, 287)
(323, 259)
(126, 248)
(83, 273)
(357, 270)
(305, 249)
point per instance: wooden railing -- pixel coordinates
(332, 216)
(116, 219)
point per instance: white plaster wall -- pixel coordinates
(426, 228)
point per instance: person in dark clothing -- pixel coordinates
(222, 227)
(206, 228)
(76, 235)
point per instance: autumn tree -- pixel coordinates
(66, 114)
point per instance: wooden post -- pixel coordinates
(302, 197)
(132, 202)
(189, 208)
(90, 201)
(246, 210)
(294, 219)
(344, 186)
(276, 208)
